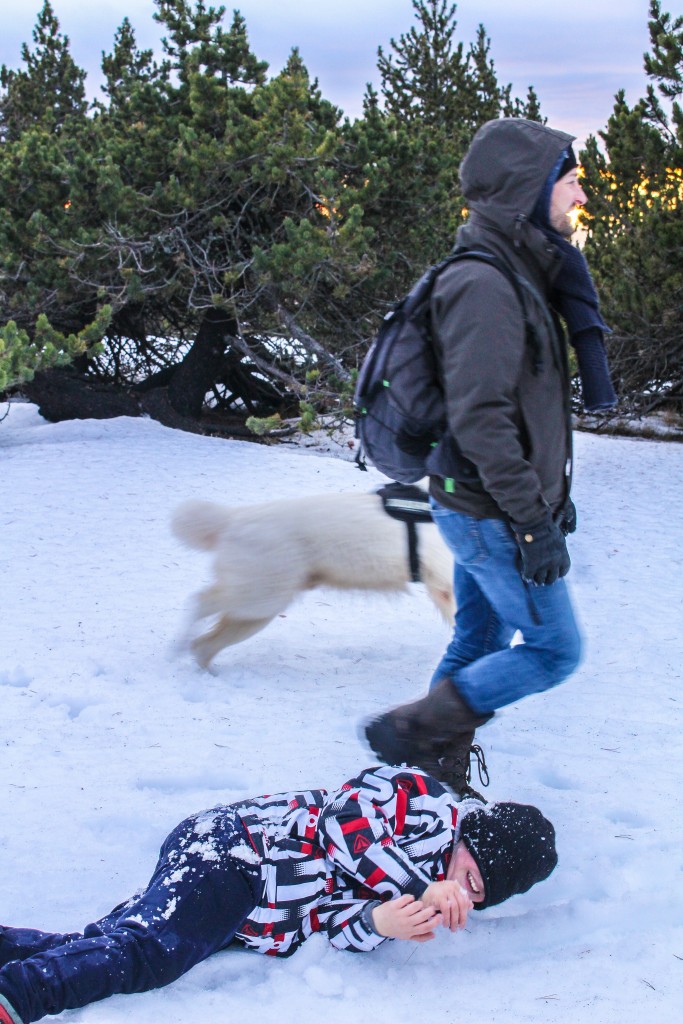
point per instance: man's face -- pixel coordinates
(567, 194)
(463, 870)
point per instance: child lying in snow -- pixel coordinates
(388, 855)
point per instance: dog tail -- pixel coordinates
(199, 524)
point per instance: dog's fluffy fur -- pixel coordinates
(264, 555)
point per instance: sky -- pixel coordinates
(111, 735)
(576, 55)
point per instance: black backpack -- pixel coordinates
(399, 404)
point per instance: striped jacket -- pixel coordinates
(328, 858)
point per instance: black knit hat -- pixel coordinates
(514, 847)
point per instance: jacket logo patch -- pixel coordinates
(361, 844)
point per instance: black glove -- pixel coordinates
(544, 551)
(566, 517)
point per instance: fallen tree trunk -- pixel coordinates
(175, 395)
(64, 394)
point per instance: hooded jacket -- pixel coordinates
(507, 452)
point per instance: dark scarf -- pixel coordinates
(576, 300)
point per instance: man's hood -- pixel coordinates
(506, 167)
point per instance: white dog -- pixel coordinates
(265, 555)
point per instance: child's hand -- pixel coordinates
(405, 918)
(452, 902)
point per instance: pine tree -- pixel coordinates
(200, 204)
(635, 229)
(128, 71)
(246, 241)
(197, 44)
(435, 93)
(21, 356)
(426, 74)
(43, 125)
(49, 90)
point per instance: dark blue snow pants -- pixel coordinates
(206, 882)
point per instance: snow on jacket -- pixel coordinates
(328, 858)
(508, 401)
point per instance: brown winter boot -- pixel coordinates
(453, 766)
(418, 733)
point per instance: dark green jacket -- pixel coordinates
(508, 448)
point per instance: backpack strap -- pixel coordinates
(518, 284)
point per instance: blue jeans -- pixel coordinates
(197, 898)
(492, 603)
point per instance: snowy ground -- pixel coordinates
(109, 739)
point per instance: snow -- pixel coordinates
(110, 736)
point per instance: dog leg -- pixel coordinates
(443, 599)
(225, 633)
(208, 602)
(436, 570)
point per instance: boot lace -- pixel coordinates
(463, 764)
(478, 754)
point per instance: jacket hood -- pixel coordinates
(506, 167)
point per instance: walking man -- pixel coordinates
(500, 478)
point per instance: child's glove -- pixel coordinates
(543, 551)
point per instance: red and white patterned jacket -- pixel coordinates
(327, 858)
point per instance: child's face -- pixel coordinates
(463, 870)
